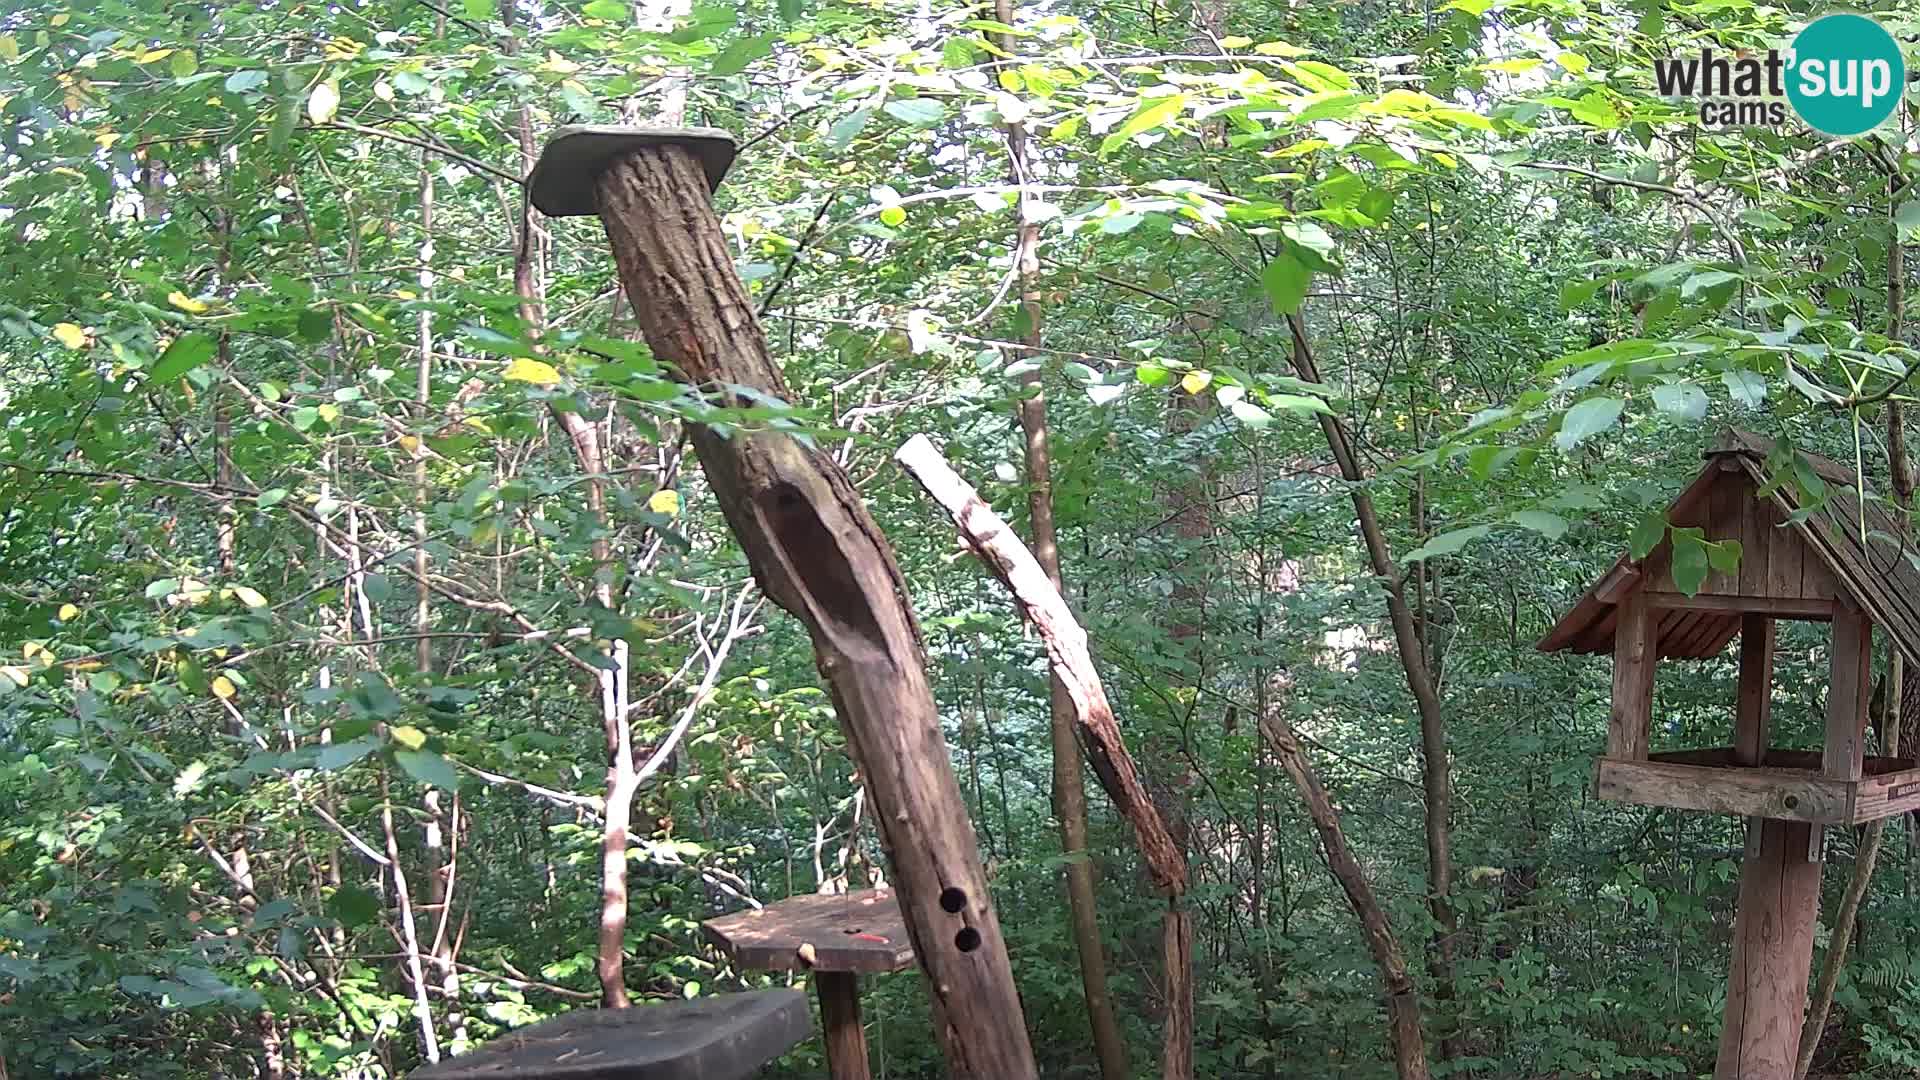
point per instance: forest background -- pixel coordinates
(377, 674)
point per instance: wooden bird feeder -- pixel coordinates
(838, 938)
(1813, 566)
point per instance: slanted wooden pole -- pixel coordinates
(817, 552)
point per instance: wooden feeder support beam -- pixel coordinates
(1636, 649)
(817, 552)
(839, 993)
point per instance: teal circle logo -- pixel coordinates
(1845, 74)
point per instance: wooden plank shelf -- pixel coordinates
(1786, 786)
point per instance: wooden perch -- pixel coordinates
(997, 546)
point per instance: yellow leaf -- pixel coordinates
(539, 372)
(223, 687)
(665, 501)
(410, 443)
(69, 612)
(410, 737)
(1195, 381)
(383, 90)
(32, 649)
(106, 139)
(70, 335)
(250, 597)
(323, 102)
(9, 48)
(329, 412)
(17, 676)
(185, 303)
(150, 55)
(1235, 42)
(60, 19)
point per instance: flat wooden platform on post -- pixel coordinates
(1788, 785)
(722, 1037)
(836, 936)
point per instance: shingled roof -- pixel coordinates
(1792, 567)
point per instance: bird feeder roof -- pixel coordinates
(1802, 552)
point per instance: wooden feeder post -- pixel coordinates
(816, 552)
(1815, 565)
(838, 937)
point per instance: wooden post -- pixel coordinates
(1636, 649)
(1772, 955)
(846, 1039)
(817, 553)
(1754, 717)
(1849, 687)
(1753, 714)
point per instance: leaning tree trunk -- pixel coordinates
(817, 553)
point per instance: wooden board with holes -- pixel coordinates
(857, 931)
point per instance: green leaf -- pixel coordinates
(1286, 280)
(353, 906)
(1908, 215)
(919, 112)
(1745, 387)
(241, 82)
(958, 53)
(1647, 534)
(1250, 414)
(187, 352)
(610, 10)
(340, 755)
(1152, 113)
(1724, 555)
(1447, 543)
(1683, 401)
(735, 57)
(1765, 221)
(1153, 374)
(1573, 294)
(1689, 560)
(1587, 419)
(428, 768)
(1551, 526)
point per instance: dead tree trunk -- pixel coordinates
(1040, 601)
(818, 553)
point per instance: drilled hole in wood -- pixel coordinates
(967, 940)
(952, 900)
(853, 930)
(1792, 801)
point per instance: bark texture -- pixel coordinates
(817, 553)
